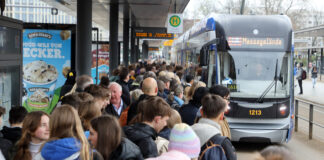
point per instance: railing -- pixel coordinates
(311, 116)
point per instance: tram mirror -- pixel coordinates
(203, 57)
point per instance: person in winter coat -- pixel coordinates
(123, 82)
(314, 75)
(35, 131)
(106, 137)
(213, 107)
(225, 93)
(299, 77)
(5, 144)
(67, 139)
(189, 111)
(153, 115)
(150, 89)
(117, 104)
(162, 140)
(16, 117)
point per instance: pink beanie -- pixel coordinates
(171, 155)
(184, 139)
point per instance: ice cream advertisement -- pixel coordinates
(46, 53)
(103, 61)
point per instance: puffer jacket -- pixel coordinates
(127, 150)
(144, 137)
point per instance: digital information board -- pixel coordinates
(152, 33)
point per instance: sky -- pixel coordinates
(316, 4)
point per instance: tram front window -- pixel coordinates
(249, 74)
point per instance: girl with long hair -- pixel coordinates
(106, 137)
(314, 75)
(67, 140)
(35, 131)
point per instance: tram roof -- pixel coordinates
(233, 23)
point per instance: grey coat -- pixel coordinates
(205, 129)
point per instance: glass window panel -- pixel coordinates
(9, 89)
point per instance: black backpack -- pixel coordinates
(218, 148)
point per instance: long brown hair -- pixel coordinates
(64, 123)
(87, 111)
(30, 124)
(109, 134)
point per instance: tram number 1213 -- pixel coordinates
(255, 112)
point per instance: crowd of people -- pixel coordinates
(145, 111)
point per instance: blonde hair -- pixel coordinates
(174, 119)
(65, 122)
(193, 88)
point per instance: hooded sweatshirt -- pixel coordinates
(61, 149)
(205, 129)
(11, 133)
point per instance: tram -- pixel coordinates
(252, 55)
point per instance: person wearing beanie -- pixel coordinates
(185, 140)
(171, 155)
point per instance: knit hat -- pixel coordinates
(171, 155)
(184, 139)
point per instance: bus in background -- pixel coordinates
(252, 56)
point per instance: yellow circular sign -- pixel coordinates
(175, 21)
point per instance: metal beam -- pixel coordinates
(113, 36)
(126, 35)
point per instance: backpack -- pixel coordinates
(304, 75)
(212, 149)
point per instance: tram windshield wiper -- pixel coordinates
(273, 83)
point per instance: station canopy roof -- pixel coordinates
(148, 13)
(317, 31)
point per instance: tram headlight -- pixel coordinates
(283, 110)
(227, 110)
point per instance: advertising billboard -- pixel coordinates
(46, 56)
(103, 61)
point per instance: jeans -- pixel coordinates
(300, 83)
(314, 82)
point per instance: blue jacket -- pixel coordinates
(60, 149)
(178, 100)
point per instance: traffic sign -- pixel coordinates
(175, 23)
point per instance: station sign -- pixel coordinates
(154, 49)
(168, 43)
(152, 33)
(175, 23)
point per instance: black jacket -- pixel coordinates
(188, 112)
(165, 133)
(5, 146)
(12, 134)
(144, 137)
(110, 110)
(125, 93)
(133, 107)
(127, 150)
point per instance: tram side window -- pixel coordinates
(283, 77)
(227, 69)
